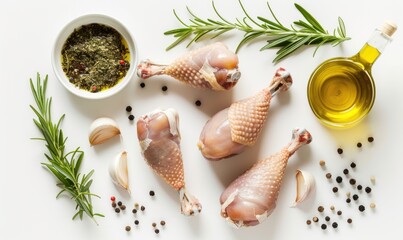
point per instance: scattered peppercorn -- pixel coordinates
(123, 207)
(152, 193)
(339, 179)
(164, 88)
(335, 225)
(339, 212)
(348, 200)
(327, 218)
(136, 205)
(113, 198)
(353, 165)
(154, 224)
(162, 223)
(328, 175)
(315, 219)
(320, 209)
(332, 208)
(368, 190)
(113, 204)
(359, 145)
(120, 203)
(372, 205)
(355, 197)
(128, 228)
(136, 222)
(323, 226)
(349, 220)
(352, 181)
(117, 210)
(370, 139)
(157, 231)
(128, 109)
(322, 163)
(359, 187)
(198, 103)
(134, 211)
(143, 208)
(131, 117)
(308, 222)
(340, 151)
(361, 208)
(335, 189)
(345, 171)
(142, 85)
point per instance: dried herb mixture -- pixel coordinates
(95, 57)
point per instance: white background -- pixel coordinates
(29, 210)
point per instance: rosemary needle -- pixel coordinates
(287, 39)
(64, 166)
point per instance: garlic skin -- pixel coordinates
(119, 172)
(102, 129)
(305, 186)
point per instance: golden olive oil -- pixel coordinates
(341, 91)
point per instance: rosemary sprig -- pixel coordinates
(288, 39)
(64, 166)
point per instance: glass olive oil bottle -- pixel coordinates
(341, 91)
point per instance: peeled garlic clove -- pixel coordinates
(305, 185)
(118, 171)
(102, 129)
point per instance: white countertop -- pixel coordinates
(28, 208)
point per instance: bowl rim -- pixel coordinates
(66, 31)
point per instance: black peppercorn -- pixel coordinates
(352, 181)
(339, 179)
(120, 203)
(128, 109)
(134, 211)
(349, 220)
(359, 145)
(348, 200)
(152, 193)
(355, 197)
(136, 222)
(157, 231)
(128, 228)
(198, 103)
(339, 212)
(370, 139)
(315, 219)
(142, 208)
(335, 189)
(142, 85)
(162, 223)
(113, 204)
(327, 218)
(117, 210)
(164, 88)
(359, 187)
(335, 225)
(320, 209)
(308, 222)
(361, 208)
(345, 171)
(323, 226)
(123, 207)
(353, 165)
(154, 224)
(131, 117)
(368, 190)
(328, 175)
(340, 151)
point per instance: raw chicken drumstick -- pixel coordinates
(229, 131)
(158, 133)
(213, 67)
(251, 198)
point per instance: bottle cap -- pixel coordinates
(389, 28)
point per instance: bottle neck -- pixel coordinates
(372, 49)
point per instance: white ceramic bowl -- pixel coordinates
(65, 33)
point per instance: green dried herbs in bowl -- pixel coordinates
(94, 56)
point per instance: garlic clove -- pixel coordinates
(102, 129)
(119, 172)
(305, 185)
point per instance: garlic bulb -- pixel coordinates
(102, 129)
(118, 171)
(305, 185)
